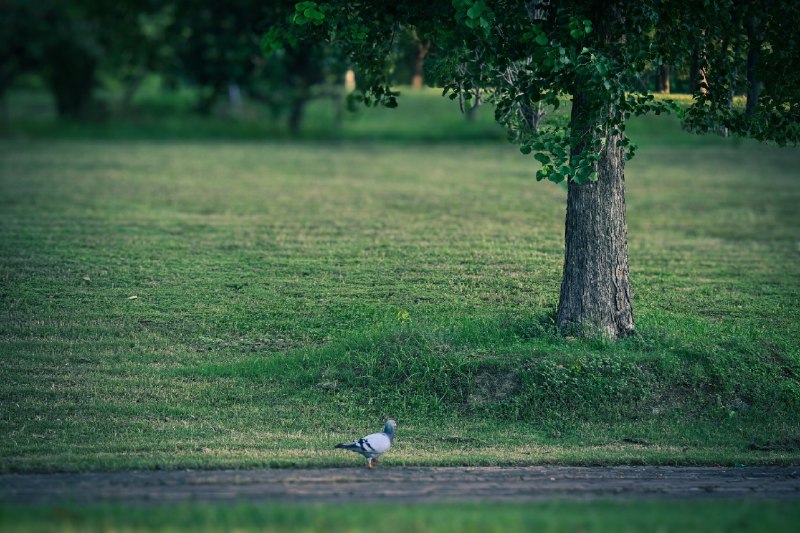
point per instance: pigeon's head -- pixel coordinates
(389, 428)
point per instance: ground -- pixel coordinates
(216, 304)
(407, 485)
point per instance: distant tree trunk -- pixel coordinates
(235, 96)
(349, 81)
(5, 83)
(663, 77)
(4, 114)
(596, 293)
(418, 80)
(131, 88)
(694, 71)
(71, 77)
(727, 84)
(472, 111)
(755, 39)
(536, 115)
(475, 102)
(206, 100)
(338, 99)
(296, 109)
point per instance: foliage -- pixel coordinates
(529, 53)
(216, 44)
(61, 41)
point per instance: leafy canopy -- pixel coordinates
(528, 54)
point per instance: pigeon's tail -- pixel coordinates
(343, 445)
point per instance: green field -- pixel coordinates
(680, 516)
(290, 294)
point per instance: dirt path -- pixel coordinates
(405, 484)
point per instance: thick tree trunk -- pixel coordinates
(596, 292)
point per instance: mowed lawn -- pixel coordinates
(612, 516)
(239, 304)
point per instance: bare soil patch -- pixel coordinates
(405, 485)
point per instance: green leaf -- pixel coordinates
(542, 39)
(476, 10)
(525, 149)
(542, 173)
(542, 158)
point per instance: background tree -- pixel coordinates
(20, 32)
(298, 74)
(591, 52)
(216, 44)
(140, 43)
(57, 39)
(71, 44)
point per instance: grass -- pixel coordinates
(551, 516)
(156, 115)
(291, 294)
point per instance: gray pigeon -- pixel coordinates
(373, 446)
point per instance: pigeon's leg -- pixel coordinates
(369, 462)
(375, 460)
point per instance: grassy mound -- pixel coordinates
(522, 370)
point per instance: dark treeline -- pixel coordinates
(74, 47)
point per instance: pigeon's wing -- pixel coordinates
(375, 444)
(378, 442)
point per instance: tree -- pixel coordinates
(70, 44)
(216, 44)
(591, 52)
(18, 37)
(299, 74)
(54, 39)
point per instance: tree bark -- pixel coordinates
(596, 293)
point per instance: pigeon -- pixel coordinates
(373, 446)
